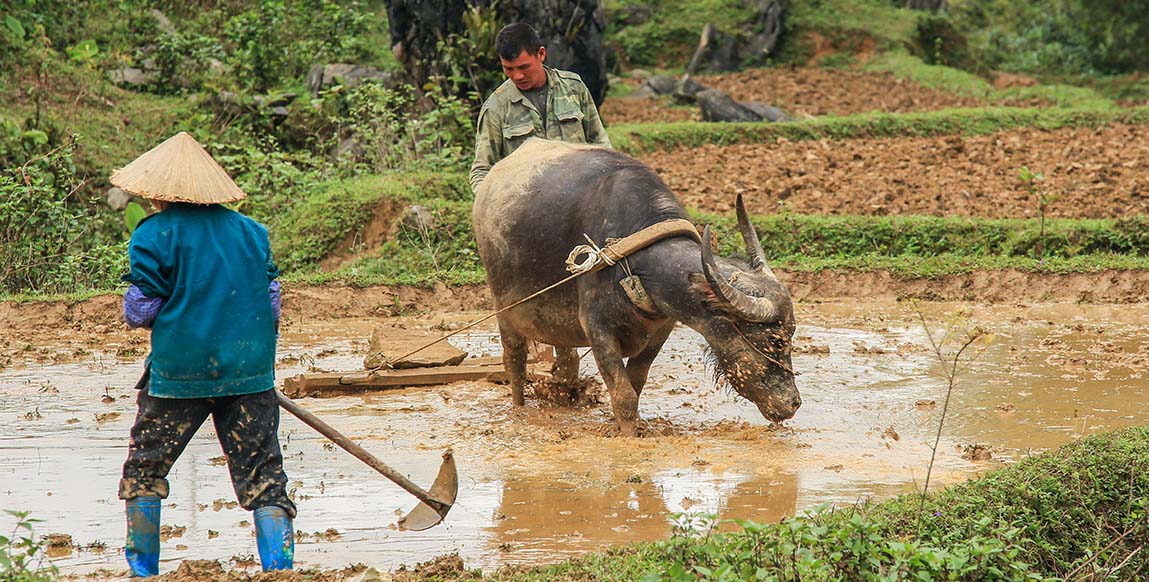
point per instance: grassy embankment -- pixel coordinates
(910, 246)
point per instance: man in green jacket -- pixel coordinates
(535, 100)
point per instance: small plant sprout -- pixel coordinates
(949, 349)
(1032, 182)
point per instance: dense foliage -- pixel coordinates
(1056, 36)
(47, 244)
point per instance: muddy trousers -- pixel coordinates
(247, 426)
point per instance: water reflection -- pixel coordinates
(538, 518)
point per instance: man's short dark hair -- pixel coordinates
(515, 38)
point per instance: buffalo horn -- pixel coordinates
(744, 306)
(753, 246)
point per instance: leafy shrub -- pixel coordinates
(939, 42)
(18, 145)
(379, 129)
(181, 60)
(46, 242)
(21, 554)
(1058, 36)
(276, 40)
(836, 544)
(468, 60)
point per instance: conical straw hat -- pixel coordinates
(178, 170)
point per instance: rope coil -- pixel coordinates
(595, 256)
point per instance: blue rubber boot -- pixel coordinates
(142, 548)
(275, 538)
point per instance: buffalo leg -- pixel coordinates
(638, 366)
(565, 368)
(608, 356)
(514, 361)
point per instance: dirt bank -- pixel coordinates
(1089, 173)
(806, 91)
(94, 324)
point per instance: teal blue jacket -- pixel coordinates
(215, 333)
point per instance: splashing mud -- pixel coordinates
(542, 482)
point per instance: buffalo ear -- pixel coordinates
(700, 288)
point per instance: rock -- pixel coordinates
(389, 344)
(117, 199)
(418, 218)
(162, 21)
(320, 77)
(718, 106)
(347, 146)
(272, 101)
(660, 84)
(641, 74)
(686, 89)
(767, 112)
(131, 76)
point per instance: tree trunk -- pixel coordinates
(572, 31)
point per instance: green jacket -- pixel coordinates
(508, 118)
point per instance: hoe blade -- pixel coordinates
(443, 492)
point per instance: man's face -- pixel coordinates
(526, 71)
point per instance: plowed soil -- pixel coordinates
(1088, 173)
(805, 92)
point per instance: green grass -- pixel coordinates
(908, 246)
(669, 35)
(637, 138)
(848, 24)
(905, 66)
(342, 208)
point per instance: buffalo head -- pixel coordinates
(751, 325)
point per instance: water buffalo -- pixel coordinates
(536, 205)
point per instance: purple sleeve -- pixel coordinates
(276, 298)
(139, 310)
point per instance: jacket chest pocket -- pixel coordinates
(570, 125)
(516, 133)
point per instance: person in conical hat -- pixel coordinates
(203, 280)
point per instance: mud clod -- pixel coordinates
(449, 567)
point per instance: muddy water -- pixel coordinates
(540, 483)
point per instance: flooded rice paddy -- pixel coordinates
(540, 484)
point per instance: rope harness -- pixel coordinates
(597, 259)
(761, 353)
